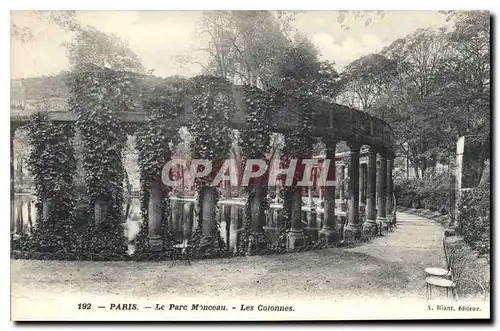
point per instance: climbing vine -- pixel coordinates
(298, 145)
(255, 144)
(154, 143)
(212, 103)
(97, 95)
(53, 166)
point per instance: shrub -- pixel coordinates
(430, 192)
(474, 218)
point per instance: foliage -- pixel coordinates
(255, 144)
(430, 192)
(96, 96)
(154, 140)
(93, 47)
(212, 105)
(475, 218)
(431, 86)
(243, 46)
(52, 164)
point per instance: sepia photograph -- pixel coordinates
(250, 165)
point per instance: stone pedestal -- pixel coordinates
(370, 227)
(258, 241)
(328, 234)
(352, 231)
(295, 238)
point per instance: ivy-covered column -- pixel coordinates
(381, 190)
(53, 166)
(329, 231)
(353, 228)
(212, 102)
(255, 143)
(370, 225)
(97, 95)
(389, 187)
(154, 139)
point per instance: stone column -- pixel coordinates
(389, 206)
(155, 217)
(362, 187)
(329, 231)
(257, 238)
(341, 186)
(343, 202)
(100, 211)
(381, 191)
(370, 225)
(295, 236)
(353, 228)
(30, 219)
(208, 216)
(233, 229)
(20, 218)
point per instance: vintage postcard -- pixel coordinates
(250, 165)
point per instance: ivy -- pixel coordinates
(154, 143)
(298, 145)
(212, 103)
(53, 165)
(255, 144)
(97, 95)
(475, 218)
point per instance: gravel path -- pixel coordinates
(388, 266)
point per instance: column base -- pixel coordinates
(207, 242)
(257, 242)
(370, 227)
(352, 231)
(328, 234)
(155, 243)
(383, 223)
(295, 238)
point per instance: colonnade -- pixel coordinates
(369, 194)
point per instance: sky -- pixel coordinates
(162, 39)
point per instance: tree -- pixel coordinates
(94, 47)
(431, 86)
(244, 46)
(366, 81)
